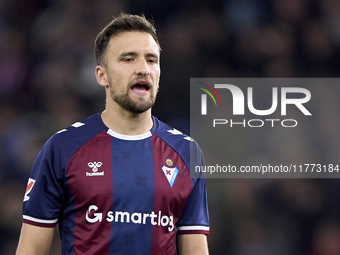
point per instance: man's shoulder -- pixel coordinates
(178, 140)
(167, 132)
(77, 134)
(86, 127)
(186, 147)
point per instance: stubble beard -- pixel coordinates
(138, 105)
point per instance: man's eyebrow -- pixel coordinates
(128, 53)
(133, 53)
(153, 55)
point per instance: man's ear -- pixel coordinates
(101, 76)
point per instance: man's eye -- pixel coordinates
(152, 60)
(128, 59)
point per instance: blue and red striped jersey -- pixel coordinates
(117, 194)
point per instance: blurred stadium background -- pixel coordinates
(47, 82)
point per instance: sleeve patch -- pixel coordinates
(29, 187)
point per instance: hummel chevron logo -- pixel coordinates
(177, 132)
(75, 125)
(95, 166)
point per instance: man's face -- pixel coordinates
(132, 65)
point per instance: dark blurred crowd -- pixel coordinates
(47, 82)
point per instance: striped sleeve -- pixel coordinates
(44, 197)
(195, 217)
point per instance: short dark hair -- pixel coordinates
(123, 23)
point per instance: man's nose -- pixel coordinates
(143, 68)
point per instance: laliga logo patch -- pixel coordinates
(29, 187)
(170, 173)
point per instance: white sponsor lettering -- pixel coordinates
(156, 219)
(97, 216)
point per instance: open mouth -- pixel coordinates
(141, 88)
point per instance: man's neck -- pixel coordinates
(127, 123)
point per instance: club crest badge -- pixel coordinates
(170, 172)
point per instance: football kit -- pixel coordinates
(117, 194)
